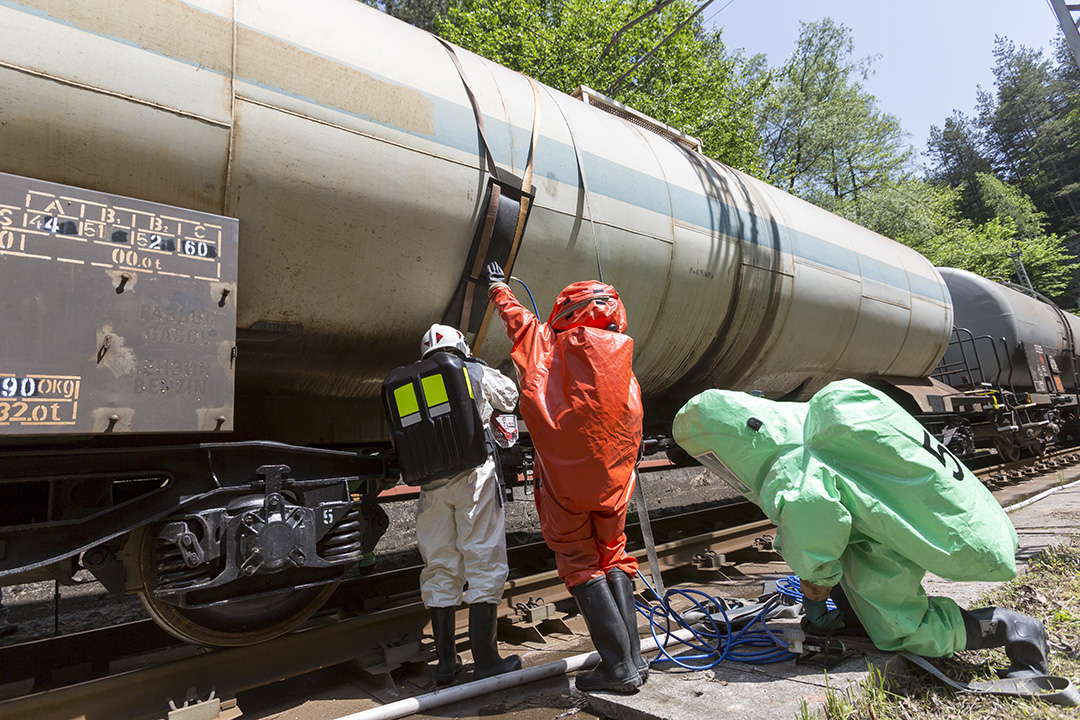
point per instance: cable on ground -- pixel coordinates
(755, 643)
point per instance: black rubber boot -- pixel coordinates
(486, 660)
(1024, 639)
(616, 671)
(442, 627)
(852, 624)
(7, 628)
(622, 589)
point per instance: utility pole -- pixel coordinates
(1068, 25)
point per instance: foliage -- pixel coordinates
(910, 211)
(1026, 132)
(1018, 160)
(666, 66)
(927, 217)
(1004, 200)
(824, 137)
(422, 13)
(956, 157)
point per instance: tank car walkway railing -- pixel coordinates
(967, 344)
(963, 341)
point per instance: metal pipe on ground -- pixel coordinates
(458, 693)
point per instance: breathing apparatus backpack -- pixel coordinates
(434, 422)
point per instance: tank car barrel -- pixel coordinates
(344, 143)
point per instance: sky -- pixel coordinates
(933, 52)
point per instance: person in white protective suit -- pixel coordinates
(461, 532)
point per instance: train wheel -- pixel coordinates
(1007, 449)
(243, 621)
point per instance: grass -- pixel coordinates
(1049, 590)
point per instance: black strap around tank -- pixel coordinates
(493, 201)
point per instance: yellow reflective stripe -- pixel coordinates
(405, 397)
(468, 382)
(434, 390)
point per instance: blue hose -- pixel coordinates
(755, 643)
(530, 295)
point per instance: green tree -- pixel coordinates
(910, 211)
(987, 250)
(825, 139)
(665, 65)
(926, 216)
(956, 158)
(1030, 126)
(1005, 201)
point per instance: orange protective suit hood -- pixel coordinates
(588, 304)
(579, 397)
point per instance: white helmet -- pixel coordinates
(443, 337)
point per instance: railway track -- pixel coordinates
(378, 619)
(1000, 474)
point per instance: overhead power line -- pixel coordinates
(722, 9)
(616, 85)
(660, 5)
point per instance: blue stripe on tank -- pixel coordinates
(455, 127)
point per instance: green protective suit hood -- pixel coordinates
(906, 489)
(861, 495)
(752, 435)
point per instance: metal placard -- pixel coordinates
(1041, 378)
(117, 315)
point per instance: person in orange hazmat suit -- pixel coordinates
(582, 406)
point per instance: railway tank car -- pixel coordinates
(1012, 366)
(335, 158)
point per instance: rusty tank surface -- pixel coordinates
(345, 145)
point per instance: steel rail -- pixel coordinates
(145, 692)
(1050, 461)
(81, 651)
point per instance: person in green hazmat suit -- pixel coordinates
(864, 498)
